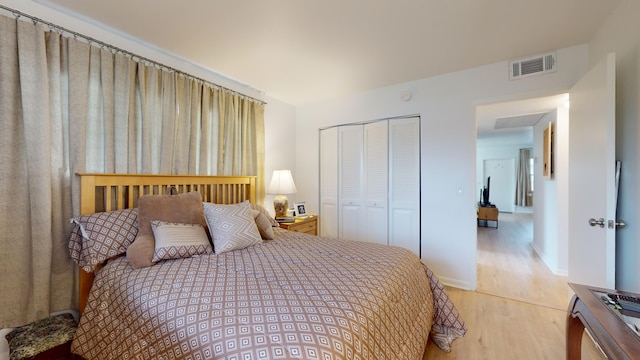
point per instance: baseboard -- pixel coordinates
(464, 285)
(553, 269)
(562, 272)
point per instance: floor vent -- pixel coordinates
(536, 65)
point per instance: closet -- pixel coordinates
(370, 182)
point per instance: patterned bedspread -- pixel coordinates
(295, 297)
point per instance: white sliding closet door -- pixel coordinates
(350, 166)
(376, 196)
(376, 169)
(404, 183)
(329, 182)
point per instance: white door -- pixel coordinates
(329, 182)
(503, 183)
(376, 170)
(592, 177)
(404, 184)
(351, 220)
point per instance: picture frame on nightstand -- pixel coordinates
(300, 209)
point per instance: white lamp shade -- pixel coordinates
(281, 183)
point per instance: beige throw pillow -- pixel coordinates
(266, 214)
(232, 227)
(179, 240)
(264, 225)
(182, 208)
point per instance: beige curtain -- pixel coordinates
(33, 179)
(524, 196)
(67, 106)
(241, 138)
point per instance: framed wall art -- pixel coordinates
(547, 151)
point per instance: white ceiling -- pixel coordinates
(301, 51)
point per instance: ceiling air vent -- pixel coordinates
(536, 65)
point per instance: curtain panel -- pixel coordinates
(524, 195)
(66, 107)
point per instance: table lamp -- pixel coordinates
(281, 184)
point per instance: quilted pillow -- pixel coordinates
(264, 225)
(182, 208)
(179, 240)
(232, 227)
(102, 236)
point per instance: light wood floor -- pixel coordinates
(519, 308)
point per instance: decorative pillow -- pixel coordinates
(232, 227)
(179, 240)
(266, 214)
(264, 225)
(102, 236)
(182, 208)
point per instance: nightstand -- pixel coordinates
(308, 225)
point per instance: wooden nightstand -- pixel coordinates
(308, 225)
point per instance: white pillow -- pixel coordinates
(232, 227)
(179, 240)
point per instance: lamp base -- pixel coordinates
(280, 205)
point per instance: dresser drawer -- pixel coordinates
(304, 228)
(308, 225)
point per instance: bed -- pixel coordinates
(294, 296)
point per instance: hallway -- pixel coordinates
(509, 267)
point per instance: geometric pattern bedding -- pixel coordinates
(295, 297)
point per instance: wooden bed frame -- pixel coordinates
(108, 192)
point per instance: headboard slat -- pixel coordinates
(108, 202)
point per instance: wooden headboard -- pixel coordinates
(108, 192)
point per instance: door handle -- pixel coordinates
(619, 224)
(598, 222)
(610, 224)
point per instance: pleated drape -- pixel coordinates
(66, 107)
(524, 196)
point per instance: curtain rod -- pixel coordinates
(115, 49)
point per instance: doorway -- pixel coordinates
(504, 129)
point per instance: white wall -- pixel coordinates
(550, 199)
(446, 105)
(619, 34)
(545, 224)
(499, 147)
(280, 145)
